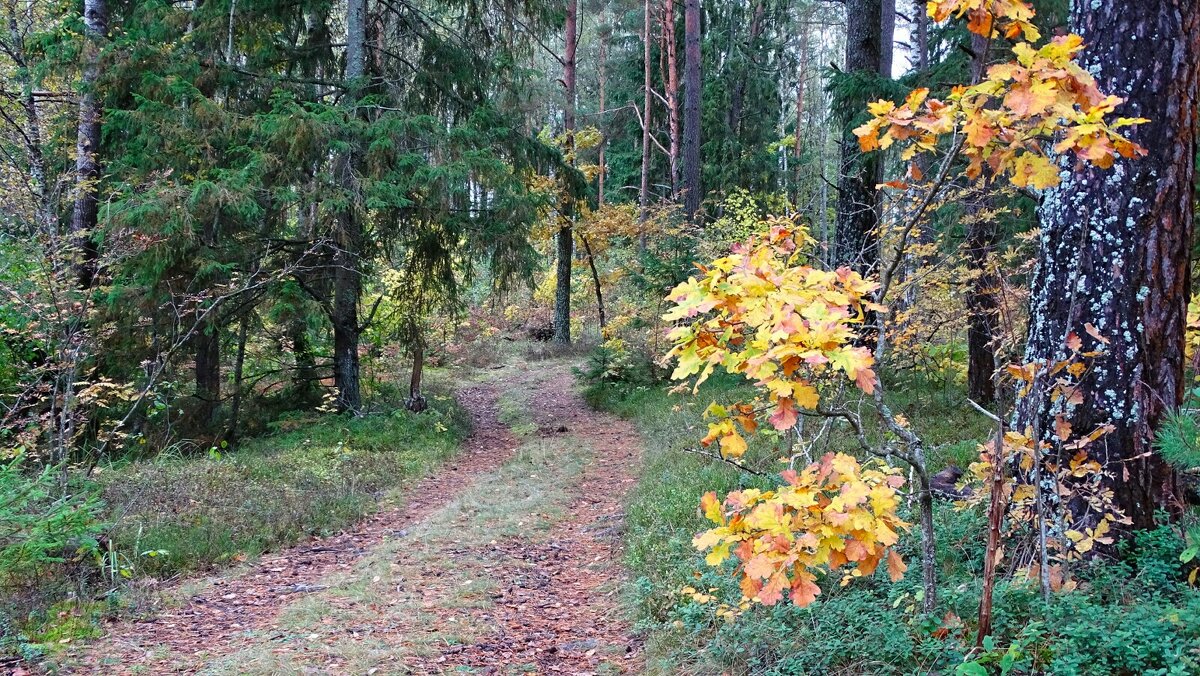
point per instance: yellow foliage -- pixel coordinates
(1005, 119)
(834, 514)
(782, 324)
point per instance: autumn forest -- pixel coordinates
(600, 337)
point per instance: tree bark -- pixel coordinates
(1114, 252)
(801, 76)
(857, 243)
(644, 191)
(921, 18)
(208, 372)
(239, 371)
(983, 305)
(887, 36)
(416, 401)
(349, 239)
(84, 216)
(566, 239)
(672, 87)
(692, 190)
(603, 81)
(983, 301)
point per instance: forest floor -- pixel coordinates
(505, 561)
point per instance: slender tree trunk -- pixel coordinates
(644, 192)
(672, 87)
(566, 239)
(603, 80)
(737, 99)
(32, 133)
(857, 243)
(887, 36)
(239, 370)
(349, 239)
(1115, 247)
(304, 380)
(587, 247)
(416, 401)
(921, 39)
(923, 235)
(84, 216)
(996, 510)
(692, 190)
(208, 372)
(983, 301)
(801, 76)
(983, 305)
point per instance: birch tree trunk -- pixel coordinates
(84, 216)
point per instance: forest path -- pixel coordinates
(506, 561)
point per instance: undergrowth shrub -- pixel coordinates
(49, 544)
(1130, 616)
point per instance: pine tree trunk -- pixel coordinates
(603, 166)
(692, 190)
(239, 372)
(856, 243)
(1115, 246)
(416, 401)
(644, 190)
(84, 216)
(672, 86)
(347, 287)
(565, 238)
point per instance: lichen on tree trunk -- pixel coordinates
(1115, 250)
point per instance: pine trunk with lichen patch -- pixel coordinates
(1115, 251)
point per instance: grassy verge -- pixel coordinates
(177, 514)
(1135, 616)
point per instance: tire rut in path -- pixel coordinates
(220, 619)
(559, 608)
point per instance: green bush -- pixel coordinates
(41, 524)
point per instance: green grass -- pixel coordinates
(176, 514)
(1139, 609)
